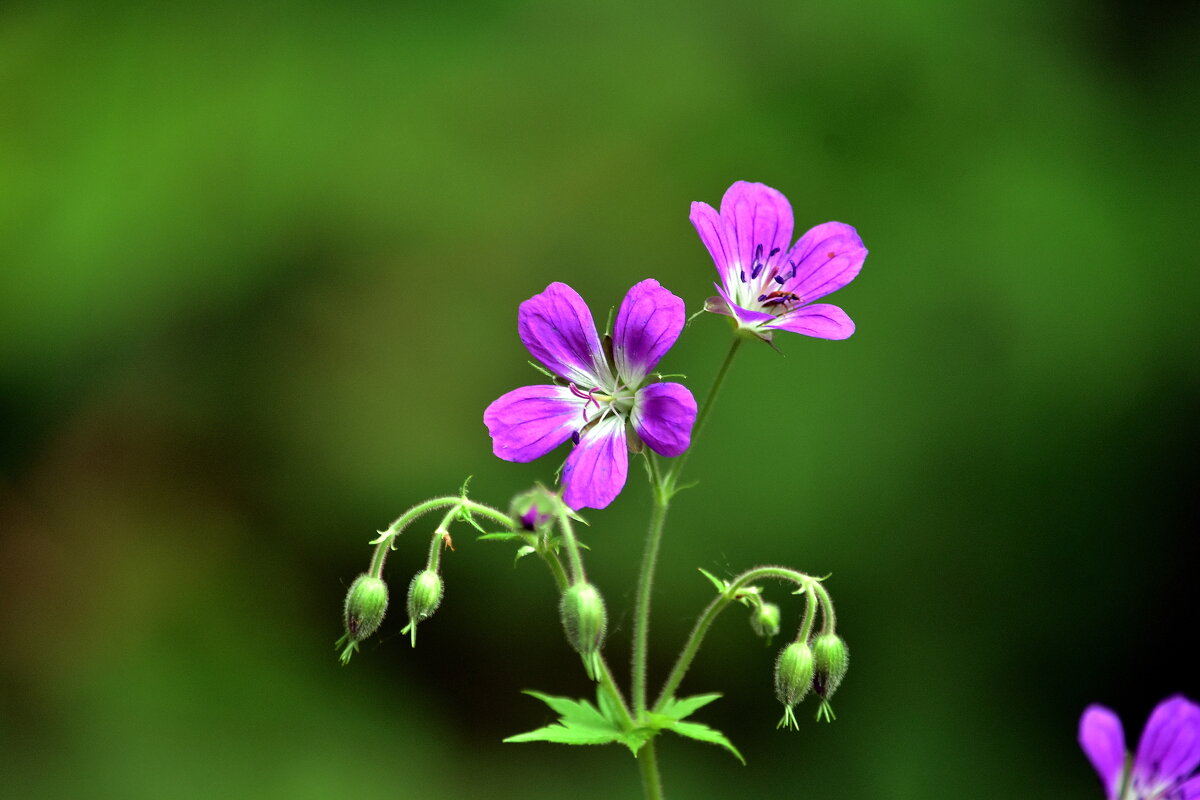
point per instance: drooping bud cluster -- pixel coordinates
(424, 597)
(820, 666)
(366, 603)
(584, 620)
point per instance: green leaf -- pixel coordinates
(502, 536)
(717, 582)
(607, 707)
(703, 733)
(568, 733)
(682, 708)
(581, 723)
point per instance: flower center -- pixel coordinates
(602, 401)
(764, 283)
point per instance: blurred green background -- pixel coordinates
(259, 273)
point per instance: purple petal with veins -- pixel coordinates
(648, 323)
(529, 422)
(822, 320)
(596, 469)
(663, 416)
(826, 258)
(714, 235)
(557, 328)
(744, 315)
(1169, 749)
(760, 220)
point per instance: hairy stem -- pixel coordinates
(710, 614)
(641, 614)
(651, 781)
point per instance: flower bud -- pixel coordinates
(424, 597)
(831, 659)
(793, 673)
(765, 620)
(366, 603)
(533, 509)
(584, 618)
(793, 678)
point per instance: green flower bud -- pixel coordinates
(793, 678)
(765, 620)
(584, 618)
(424, 597)
(366, 603)
(831, 659)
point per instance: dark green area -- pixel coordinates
(259, 272)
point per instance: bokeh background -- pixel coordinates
(259, 272)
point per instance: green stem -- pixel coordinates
(574, 559)
(641, 614)
(710, 614)
(648, 762)
(706, 408)
(385, 542)
(663, 487)
(438, 543)
(609, 684)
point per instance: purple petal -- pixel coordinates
(1169, 749)
(531, 421)
(744, 316)
(648, 323)
(756, 215)
(827, 257)
(663, 415)
(557, 327)
(1190, 790)
(714, 233)
(821, 320)
(595, 471)
(1103, 742)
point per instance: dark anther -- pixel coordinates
(758, 267)
(773, 252)
(758, 253)
(778, 279)
(575, 437)
(743, 274)
(762, 297)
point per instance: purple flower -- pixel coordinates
(767, 285)
(1167, 755)
(603, 393)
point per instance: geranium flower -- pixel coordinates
(1167, 755)
(604, 393)
(765, 284)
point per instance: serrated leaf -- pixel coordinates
(684, 707)
(567, 734)
(703, 733)
(580, 723)
(608, 707)
(578, 711)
